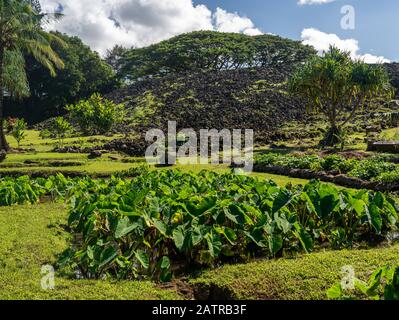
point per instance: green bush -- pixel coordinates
(96, 115)
(18, 131)
(61, 128)
(336, 162)
(371, 169)
(390, 177)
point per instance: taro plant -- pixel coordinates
(167, 220)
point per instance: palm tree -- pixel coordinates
(21, 33)
(337, 86)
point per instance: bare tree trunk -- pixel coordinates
(3, 142)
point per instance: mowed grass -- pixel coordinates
(32, 236)
(33, 140)
(307, 277)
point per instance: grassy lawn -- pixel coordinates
(44, 159)
(31, 236)
(307, 277)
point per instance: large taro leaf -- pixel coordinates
(198, 209)
(178, 237)
(182, 238)
(283, 198)
(275, 242)
(143, 258)
(236, 214)
(228, 233)
(391, 291)
(324, 199)
(257, 235)
(374, 217)
(214, 244)
(304, 237)
(124, 227)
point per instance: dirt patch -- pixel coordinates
(180, 286)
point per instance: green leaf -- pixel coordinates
(124, 227)
(164, 263)
(214, 244)
(275, 243)
(179, 236)
(107, 255)
(335, 292)
(160, 226)
(143, 258)
(228, 233)
(283, 198)
(374, 217)
(304, 237)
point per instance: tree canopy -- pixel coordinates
(338, 87)
(209, 50)
(84, 73)
(21, 33)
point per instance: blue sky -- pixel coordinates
(377, 21)
(105, 23)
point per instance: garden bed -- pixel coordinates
(332, 177)
(373, 173)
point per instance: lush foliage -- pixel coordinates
(96, 115)
(207, 50)
(336, 86)
(21, 32)
(162, 220)
(84, 74)
(371, 169)
(18, 130)
(383, 284)
(60, 129)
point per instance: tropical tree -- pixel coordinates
(338, 86)
(84, 74)
(21, 32)
(210, 50)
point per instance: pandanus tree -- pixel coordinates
(337, 86)
(21, 33)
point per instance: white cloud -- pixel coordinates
(321, 41)
(104, 23)
(232, 22)
(305, 2)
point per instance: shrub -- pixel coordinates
(336, 162)
(390, 177)
(61, 128)
(371, 169)
(18, 131)
(96, 115)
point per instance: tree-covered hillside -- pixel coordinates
(208, 50)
